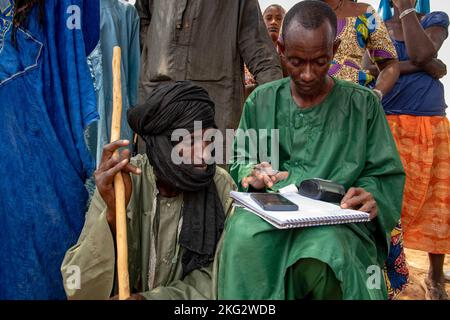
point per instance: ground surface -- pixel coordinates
(418, 268)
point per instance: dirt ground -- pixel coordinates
(418, 268)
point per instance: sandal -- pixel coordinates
(432, 292)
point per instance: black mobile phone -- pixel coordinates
(273, 202)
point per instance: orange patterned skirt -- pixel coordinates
(424, 146)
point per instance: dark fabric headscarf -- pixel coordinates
(171, 106)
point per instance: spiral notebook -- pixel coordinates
(311, 212)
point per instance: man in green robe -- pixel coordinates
(175, 212)
(327, 129)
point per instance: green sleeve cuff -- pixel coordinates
(93, 257)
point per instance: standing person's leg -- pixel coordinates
(436, 282)
(436, 270)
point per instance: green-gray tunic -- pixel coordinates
(154, 256)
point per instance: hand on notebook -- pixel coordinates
(360, 199)
(263, 175)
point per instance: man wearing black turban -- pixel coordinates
(175, 212)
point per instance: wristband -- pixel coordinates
(406, 12)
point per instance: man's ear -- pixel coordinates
(336, 45)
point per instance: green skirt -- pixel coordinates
(256, 256)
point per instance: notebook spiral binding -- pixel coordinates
(311, 222)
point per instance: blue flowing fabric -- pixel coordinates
(423, 6)
(47, 98)
(119, 25)
(385, 10)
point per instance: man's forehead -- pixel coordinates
(274, 10)
(277, 9)
(297, 34)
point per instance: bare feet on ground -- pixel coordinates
(418, 271)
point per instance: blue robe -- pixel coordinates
(46, 100)
(119, 25)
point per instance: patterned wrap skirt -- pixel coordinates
(424, 147)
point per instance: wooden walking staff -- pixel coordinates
(119, 187)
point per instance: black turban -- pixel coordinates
(171, 106)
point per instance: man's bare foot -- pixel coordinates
(434, 290)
